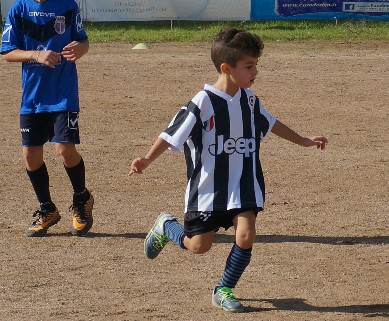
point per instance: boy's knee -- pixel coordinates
(198, 247)
(245, 240)
(63, 152)
(68, 154)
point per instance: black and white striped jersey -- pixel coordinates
(221, 136)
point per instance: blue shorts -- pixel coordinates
(56, 127)
(196, 223)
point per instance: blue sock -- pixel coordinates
(175, 232)
(236, 263)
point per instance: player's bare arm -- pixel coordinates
(138, 165)
(285, 132)
(75, 50)
(48, 58)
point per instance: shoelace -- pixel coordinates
(79, 210)
(226, 294)
(160, 242)
(41, 215)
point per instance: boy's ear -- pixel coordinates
(225, 68)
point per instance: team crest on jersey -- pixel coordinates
(60, 25)
(209, 124)
(251, 101)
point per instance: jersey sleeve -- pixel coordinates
(270, 119)
(12, 37)
(182, 124)
(78, 31)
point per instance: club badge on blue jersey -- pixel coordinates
(60, 25)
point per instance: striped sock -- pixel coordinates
(175, 232)
(236, 263)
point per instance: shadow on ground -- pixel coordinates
(222, 238)
(300, 305)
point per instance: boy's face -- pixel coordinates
(244, 72)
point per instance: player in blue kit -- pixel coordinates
(220, 131)
(47, 37)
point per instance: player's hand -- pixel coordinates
(138, 166)
(74, 50)
(319, 141)
(49, 58)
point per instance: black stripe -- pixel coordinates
(247, 193)
(193, 166)
(42, 32)
(194, 172)
(182, 115)
(261, 128)
(222, 128)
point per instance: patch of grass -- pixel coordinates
(198, 31)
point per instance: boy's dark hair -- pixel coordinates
(231, 45)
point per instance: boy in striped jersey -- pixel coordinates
(220, 131)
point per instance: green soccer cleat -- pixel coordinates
(224, 299)
(156, 239)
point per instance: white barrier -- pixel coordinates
(227, 10)
(146, 10)
(5, 5)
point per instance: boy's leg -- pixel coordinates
(237, 261)
(37, 172)
(83, 200)
(36, 169)
(166, 228)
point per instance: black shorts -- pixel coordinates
(196, 223)
(57, 127)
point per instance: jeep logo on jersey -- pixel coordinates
(242, 145)
(59, 25)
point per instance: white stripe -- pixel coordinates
(6, 34)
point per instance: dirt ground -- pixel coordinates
(322, 250)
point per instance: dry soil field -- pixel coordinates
(322, 250)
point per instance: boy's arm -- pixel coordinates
(48, 58)
(18, 55)
(138, 165)
(285, 132)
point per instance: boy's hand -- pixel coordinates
(49, 58)
(75, 50)
(139, 165)
(318, 141)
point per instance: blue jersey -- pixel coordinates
(49, 25)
